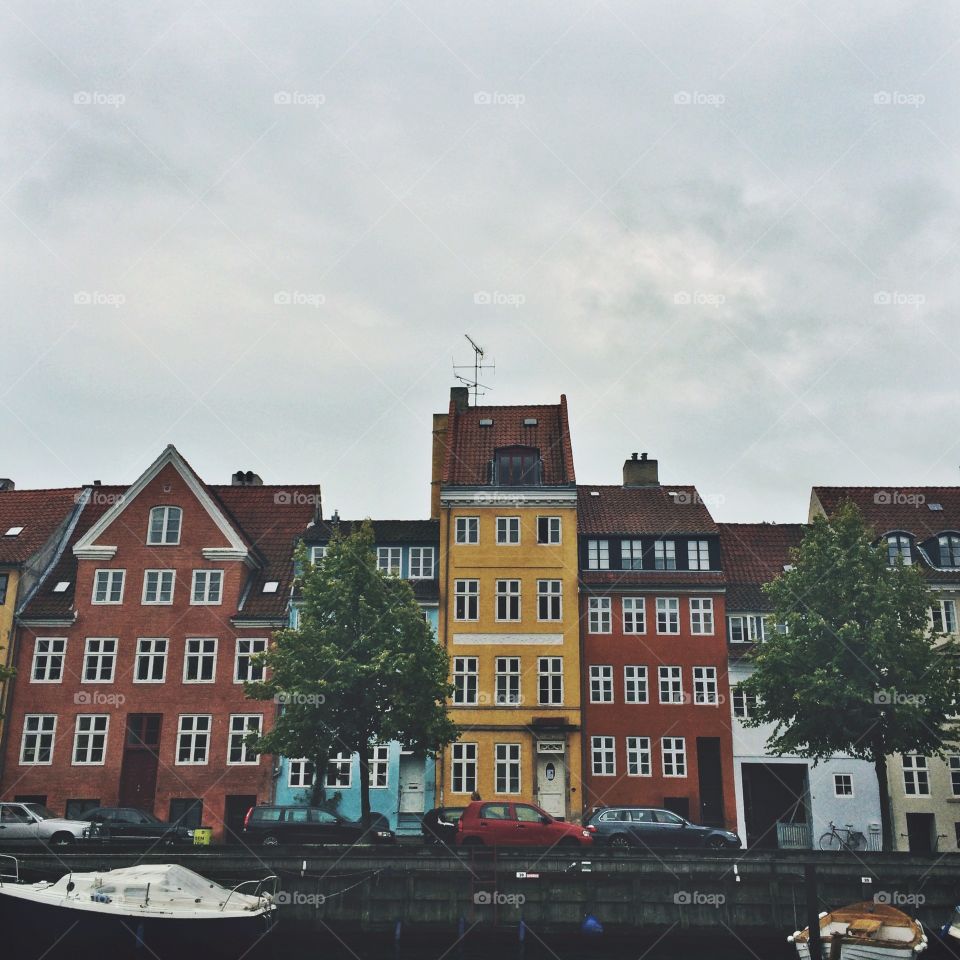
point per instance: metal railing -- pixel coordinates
(258, 892)
(15, 876)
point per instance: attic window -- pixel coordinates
(486, 422)
(934, 506)
(271, 586)
(529, 421)
(62, 586)
(787, 567)
(14, 532)
(594, 493)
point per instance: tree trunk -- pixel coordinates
(365, 784)
(886, 824)
(318, 792)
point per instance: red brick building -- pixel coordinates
(656, 704)
(132, 653)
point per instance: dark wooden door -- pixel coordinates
(141, 752)
(920, 832)
(710, 774)
(235, 810)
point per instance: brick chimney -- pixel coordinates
(461, 398)
(246, 478)
(640, 472)
(7, 484)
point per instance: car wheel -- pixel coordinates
(620, 842)
(716, 843)
(62, 839)
(270, 841)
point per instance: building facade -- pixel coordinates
(657, 728)
(504, 491)
(402, 783)
(782, 802)
(921, 527)
(131, 656)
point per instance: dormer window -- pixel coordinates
(164, 526)
(949, 550)
(517, 466)
(898, 545)
(14, 532)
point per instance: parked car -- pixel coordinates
(499, 824)
(626, 827)
(34, 823)
(130, 825)
(273, 824)
(440, 824)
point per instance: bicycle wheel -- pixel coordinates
(857, 841)
(830, 841)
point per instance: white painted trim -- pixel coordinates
(173, 587)
(483, 497)
(201, 655)
(170, 456)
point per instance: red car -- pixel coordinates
(499, 824)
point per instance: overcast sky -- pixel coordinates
(727, 231)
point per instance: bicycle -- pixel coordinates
(837, 838)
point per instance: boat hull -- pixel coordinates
(858, 951)
(51, 930)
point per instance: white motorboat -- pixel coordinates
(864, 931)
(156, 908)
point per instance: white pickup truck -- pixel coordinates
(34, 823)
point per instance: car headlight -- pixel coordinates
(190, 833)
(586, 833)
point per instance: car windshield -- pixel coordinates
(39, 810)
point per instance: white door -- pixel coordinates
(552, 784)
(411, 784)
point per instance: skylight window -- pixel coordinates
(530, 421)
(934, 506)
(594, 493)
(271, 586)
(62, 586)
(14, 531)
(486, 422)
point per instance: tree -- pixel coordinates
(362, 668)
(857, 670)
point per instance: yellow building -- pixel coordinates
(505, 493)
(32, 527)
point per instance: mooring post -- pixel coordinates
(813, 911)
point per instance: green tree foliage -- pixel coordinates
(857, 671)
(362, 668)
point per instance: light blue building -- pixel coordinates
(402, 783)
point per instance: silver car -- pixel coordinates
(34, 823)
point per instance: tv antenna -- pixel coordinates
(474, 384)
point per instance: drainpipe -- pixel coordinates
(443, 611)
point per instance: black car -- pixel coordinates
(440, 825)
(652, 828)
(130, 825)
(274, 824)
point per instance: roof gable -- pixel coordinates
(233, 545)
(638, 510)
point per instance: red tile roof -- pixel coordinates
(642, 510)
(755, 554)
(39, 512)
(897, 508)
(470, 447)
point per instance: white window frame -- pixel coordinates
(109, 576)
(701, 616)
(631, 554)
(207, 576)
(599, 615)
(507, 681)
(601, 683)
(45, 726)
(706, 691)
(847, 782)
(339, 764)
(639, 757)
(465, 669)
(422, 555)
(603, 756)
(698, 554)
(547, 669)
(549, 595)
(49, 656)
(953, 766)
(506, 768)
(752, 627)
(508, 531)
(636, 684)
(668, 616)
(665, 554)
(670, 680)
(318, 553)
(633, 612)
(300, 773)
(463, 528)
(94, 652)
(150, 654)
(509, 591)
(463, 767)
(378, 766)
(917, 773)
(93, 737)
(202, 655)
(554, 528)
(598, 554)
(466, 594)
(194, 736)
(385, 561)
(161, 573)
(247, 647)
(743, 703)
(941, 621)
(673, 757)
(168, 512)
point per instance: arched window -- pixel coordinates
(949, 549)
(164, 526)
(898, 545)
(517, 466)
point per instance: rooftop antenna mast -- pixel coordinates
(473, 384)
